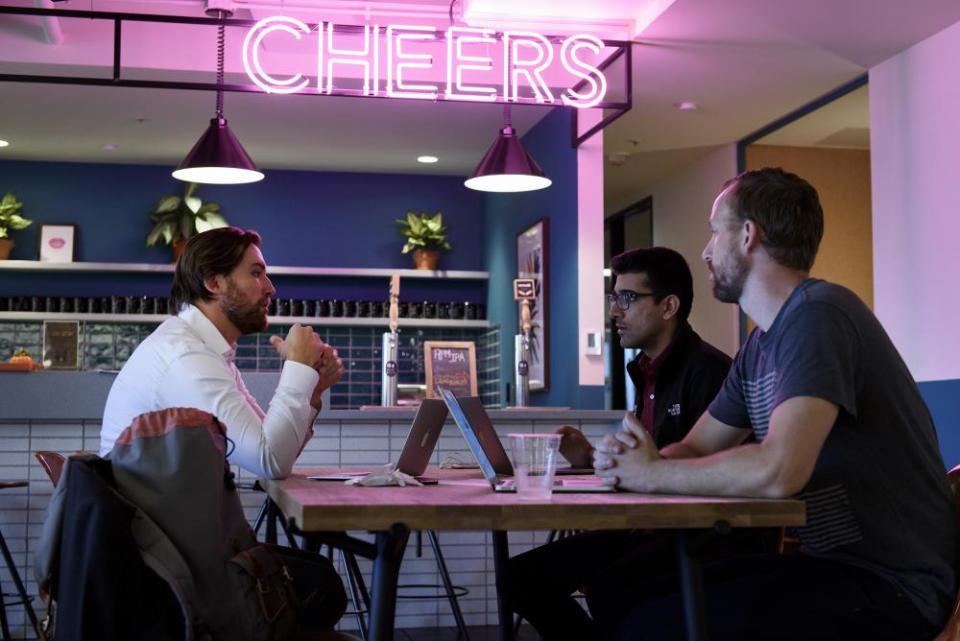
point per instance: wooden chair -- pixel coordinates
(951, 631)
(52, 463)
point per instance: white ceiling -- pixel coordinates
(744, 62)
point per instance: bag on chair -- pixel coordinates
(172, 465)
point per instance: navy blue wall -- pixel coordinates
(306, 219)
(943, 399)
(507, 215)
(327, 220)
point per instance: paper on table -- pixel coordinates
(386, 475)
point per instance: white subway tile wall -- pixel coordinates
(336, 443)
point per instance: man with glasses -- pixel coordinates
(676, 376)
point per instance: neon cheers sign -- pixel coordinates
(424, 63)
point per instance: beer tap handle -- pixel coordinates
(525, 316)
(394, 304)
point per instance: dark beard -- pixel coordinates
(729, 288)
(249, 319)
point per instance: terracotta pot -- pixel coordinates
(6, 246)
(426, 258)
(178, 246)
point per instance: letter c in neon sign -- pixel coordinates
(251, 54)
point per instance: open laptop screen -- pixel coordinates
(473, 442)
(422, 437)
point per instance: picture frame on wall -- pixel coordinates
(451, 365)
(57, 243)
(533, 259)
(61, 344)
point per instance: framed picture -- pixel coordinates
(533, 256)
(450, 364)
(61, 344)
(56, 243)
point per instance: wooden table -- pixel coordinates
(463, 501)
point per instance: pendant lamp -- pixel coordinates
(507, 167)
(218, 158)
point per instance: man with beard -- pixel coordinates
(676, 375)
(838, 421)
(220, 292)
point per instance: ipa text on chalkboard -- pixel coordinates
(452, 365)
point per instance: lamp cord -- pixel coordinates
(506, 115)
(220, 51)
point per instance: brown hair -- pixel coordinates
(787, 209)
(214, 252)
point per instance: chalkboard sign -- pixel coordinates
(450, 364)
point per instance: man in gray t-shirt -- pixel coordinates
(838, 422)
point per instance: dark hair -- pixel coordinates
(214, 252)
(667, 273)
(787, 209)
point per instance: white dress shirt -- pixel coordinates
(186, 362)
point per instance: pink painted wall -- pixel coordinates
(915, 140)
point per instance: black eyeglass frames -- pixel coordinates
(625, 297)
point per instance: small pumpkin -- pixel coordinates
(22, 357)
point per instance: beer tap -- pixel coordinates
(388, 369)
(523, 291)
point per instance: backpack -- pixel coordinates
(171, 465)
(100, 564)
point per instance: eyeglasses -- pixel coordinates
(625, 297)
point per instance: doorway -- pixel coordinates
(629, 228)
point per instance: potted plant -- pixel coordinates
(10, 219)
(426, 236)
(177, 219)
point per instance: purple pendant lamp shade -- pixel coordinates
(507, 167)
(218, 158)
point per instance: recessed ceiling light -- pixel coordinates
(4, 143)
(110, 147)
(427, 160)
(686, 105)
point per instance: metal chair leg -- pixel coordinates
(358, 591)
(448, 586)
(3, 619)
(261, 515)
(271, 515)
(278, 517)
(24, 598)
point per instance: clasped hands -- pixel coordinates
(624, 458)
(303, 345)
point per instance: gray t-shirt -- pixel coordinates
(878, 497)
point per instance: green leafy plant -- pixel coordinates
(178, 218)
(10, 218)
(423, 231)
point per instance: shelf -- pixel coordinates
(274, 320)
(345, 272)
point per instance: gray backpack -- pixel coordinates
(172, 465)
(191, 530)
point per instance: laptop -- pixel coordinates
(479, 420)
(422, 438)
(482, 439)
(418, 448)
